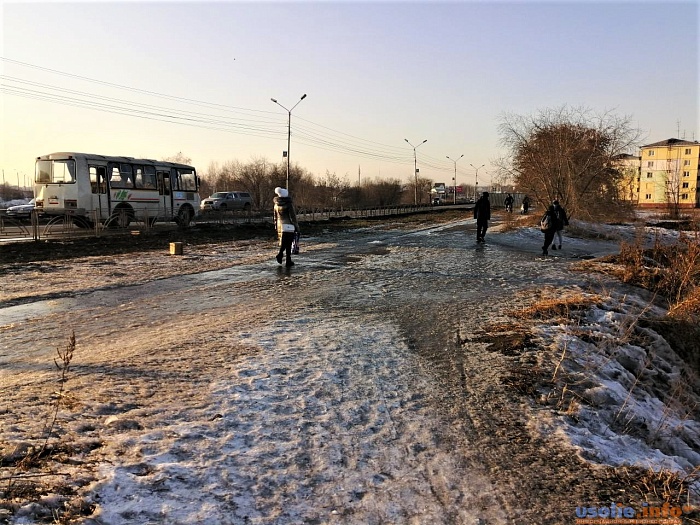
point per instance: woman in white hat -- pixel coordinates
(285, 223)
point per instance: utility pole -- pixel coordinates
(476, 186)
(454, 179)
(415, 169)
(289, 129)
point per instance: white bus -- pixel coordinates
(115, 190)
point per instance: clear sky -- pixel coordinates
(150, 79)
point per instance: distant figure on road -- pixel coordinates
(509, 203)
(548, 225)
(285, 223)
(482, 214)
(526, 204)
(561, 220)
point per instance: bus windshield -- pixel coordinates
(55, 171)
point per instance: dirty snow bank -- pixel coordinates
(634, 399)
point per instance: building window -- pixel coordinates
(651, 152)
(650, 175)
(650, 164)
(684, 196)
(687, 151)
(686, 174)
(648, 196)
(686, 184)
(686, 162)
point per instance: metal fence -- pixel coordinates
(71, 226)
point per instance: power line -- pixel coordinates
(258, 123)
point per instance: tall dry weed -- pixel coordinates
(671, 271)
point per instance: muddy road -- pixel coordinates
(356, 387)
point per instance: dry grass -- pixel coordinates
(561, 306)
(671, 271)
(665, 486)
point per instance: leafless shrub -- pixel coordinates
(19, 481)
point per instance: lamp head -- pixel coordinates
(274, 100)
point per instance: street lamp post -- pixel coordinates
(415, 169)
(289, 129)
(476, 185)
(454, 179)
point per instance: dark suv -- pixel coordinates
(227, 200)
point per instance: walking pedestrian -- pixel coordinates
(509, 203)
(526, 204)
(548, 227)
(285, 223)
(561, 220)
(482, 214)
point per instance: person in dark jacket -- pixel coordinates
(482, 214)
(509, 203)
(285, 223)
(562, 220)
(549, 231)
(526, 204)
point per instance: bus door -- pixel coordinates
(99, 194)
(165, 192)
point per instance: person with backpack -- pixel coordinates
(509, 203)
(561, 220)
(548, 227)
(482, 214)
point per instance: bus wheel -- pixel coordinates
(83, 222)
(184, 216)
(121, 218)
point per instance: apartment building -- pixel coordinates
(628, 185)
(668, 174)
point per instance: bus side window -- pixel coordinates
(115, 178)
(102, 179)
(126, 176)
(149, 178)
(94, 182)
(121, 176)
(163, 183)
(138, 177)
(98, 179)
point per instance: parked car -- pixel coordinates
(21, 211)
(227, 200)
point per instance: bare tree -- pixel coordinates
(672, 188)
(567, 154)
(383, 192)
(332, 191)
(256, 179)
(179, 158)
